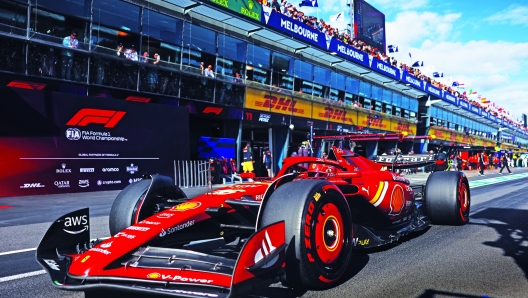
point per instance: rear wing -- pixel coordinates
(404, 161)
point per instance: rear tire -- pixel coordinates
(318, 232)
(447, 198)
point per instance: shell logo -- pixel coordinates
(153, 275)
(186, 206)
(397, 200)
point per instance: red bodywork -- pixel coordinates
(118, 260)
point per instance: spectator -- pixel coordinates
(144, 58)
(237, 78)
(67, 55)
(209, 71)
(276, 6)
(120, 52)
(131, 54)
(266, 160)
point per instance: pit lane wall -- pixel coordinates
(323, 114)
(53, 142)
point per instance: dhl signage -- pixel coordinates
(373, 121)
(398, 126)
(332, 114)
(277, 103)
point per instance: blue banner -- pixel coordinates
(484, 114)
(384, 68)
(450, 98)
(475, 110)
(463, 104)
(413, 81)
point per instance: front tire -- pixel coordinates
(318, 231)
(125, 206)
(447, 198)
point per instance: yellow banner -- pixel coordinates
(402, 126)
(277, 103)
(374, 121)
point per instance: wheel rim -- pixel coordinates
(329, 234)
(463, 200)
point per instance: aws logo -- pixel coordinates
(279, 104)
(335, 114)
(85, 116)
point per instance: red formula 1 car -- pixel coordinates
(299, 228)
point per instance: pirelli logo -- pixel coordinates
(335, 114)
(87, 116)
(279, 104)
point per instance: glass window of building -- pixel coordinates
(397, 111)
(322, 81)
(396, 99)
(117, 14)
(13, 18)
(413, 104)
(412, 115)
(387, 96)
(352, 85)
(112, 41)
(229, 94)
(56, 28)
(349, 99)
(199, 39)
(258, 67)
(303, 77)
(258, 57)
(387, 109)
(406, 114)
(282, 70)
(404, 102)
(365, 89)
(376, 93)
(161, 27)
(377, 106)
(367, 103)
(16, 60)
(80, 8)
(231, 58)
(337, 80)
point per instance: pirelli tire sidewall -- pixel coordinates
(447, 198)
(318, 231)
(125, 205)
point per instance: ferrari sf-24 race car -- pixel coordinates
(299, 228)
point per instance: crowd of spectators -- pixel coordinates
(289, 10)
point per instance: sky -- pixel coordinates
(482, 44)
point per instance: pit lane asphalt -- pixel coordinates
(489, 256)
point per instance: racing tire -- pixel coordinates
(318, 232)
(124, 208)
(447, 198)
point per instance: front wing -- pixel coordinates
(160, 270)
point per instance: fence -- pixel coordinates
(192, 173)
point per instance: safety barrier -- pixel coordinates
(192, 173)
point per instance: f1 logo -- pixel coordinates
(213, 110)
(86, 116)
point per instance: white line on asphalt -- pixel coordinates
(16, 251)
(23, 275)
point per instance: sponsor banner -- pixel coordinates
(463, 104)
(277, 103)
(402, 126)
(266, 117)
(249, 8)
(461, 139)
(373, 121)
(384, 68)
(475, 110)
(62, 142)
(413, 81)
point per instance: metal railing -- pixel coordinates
(192, 173)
